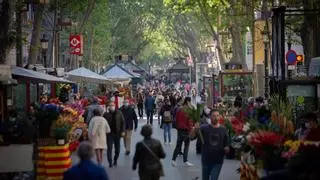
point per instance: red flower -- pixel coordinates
(73, 146)
(265, 138)
(237, 125)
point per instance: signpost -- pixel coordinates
(291, 57)
(76, 44)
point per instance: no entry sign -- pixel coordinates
(291, 57)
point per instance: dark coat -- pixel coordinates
(149, 103)
(86, 170)
(118, 119)
(148, 164)
(130, 117)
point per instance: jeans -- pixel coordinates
(149, 116)
(167, 131)
(211, 171)
(183, 137)
(113, 139)
(140, 109)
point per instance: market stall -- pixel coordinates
(265, 136)
(84, 75)
(118, 74)
(28, 88)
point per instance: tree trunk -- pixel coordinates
(6, 33)
(236, 36)
(215, 35)
(310, 34)
(35, 39)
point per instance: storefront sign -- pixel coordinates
(76, 44)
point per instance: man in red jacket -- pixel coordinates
(184, 126)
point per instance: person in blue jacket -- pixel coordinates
(149, 104)
(86, 169)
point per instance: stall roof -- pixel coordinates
(85, 75)
(37, 76)
(116, 72)
(179, 67)
(132, 67)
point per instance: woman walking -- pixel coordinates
(98, 129)
(148, 154)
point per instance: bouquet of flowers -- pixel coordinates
(195, 115)
(265, 142)
(291, 147)
(62, 126)
(46, 115)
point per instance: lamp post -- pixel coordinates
(265, 34)
(44, 46)
(214, 98)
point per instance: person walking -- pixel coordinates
(148, 153)
(98, 130)
(140, 99)
(159, 101)
(205, 119)
(117, 126)
(150, 105)
(131, 122)
(166, 121)
(85, 169)
(214, 148)
(88, 115)
(184, 126)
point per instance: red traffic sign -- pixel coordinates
(300, 58)
(291, 57)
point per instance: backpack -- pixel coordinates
(167, 118)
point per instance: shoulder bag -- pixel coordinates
(156, 157)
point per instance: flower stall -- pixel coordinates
(263, 133)
(61, 127)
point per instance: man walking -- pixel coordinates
(117, 126)
(140, 98)
(214, 148)
(150, 105)
(131, 122)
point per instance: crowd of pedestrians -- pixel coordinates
(107, 128)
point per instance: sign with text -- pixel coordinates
(76, 44)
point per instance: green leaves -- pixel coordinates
(195, 113)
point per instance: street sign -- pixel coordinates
(300, 58)
(76, 44)
(291, 57)
(291, 67)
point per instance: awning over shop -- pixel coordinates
(85, 75)
(118, 73)
(36, 76)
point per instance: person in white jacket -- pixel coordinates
(98, 130)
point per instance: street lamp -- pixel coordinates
(265, 34)
(44, 46)
(214, 98)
